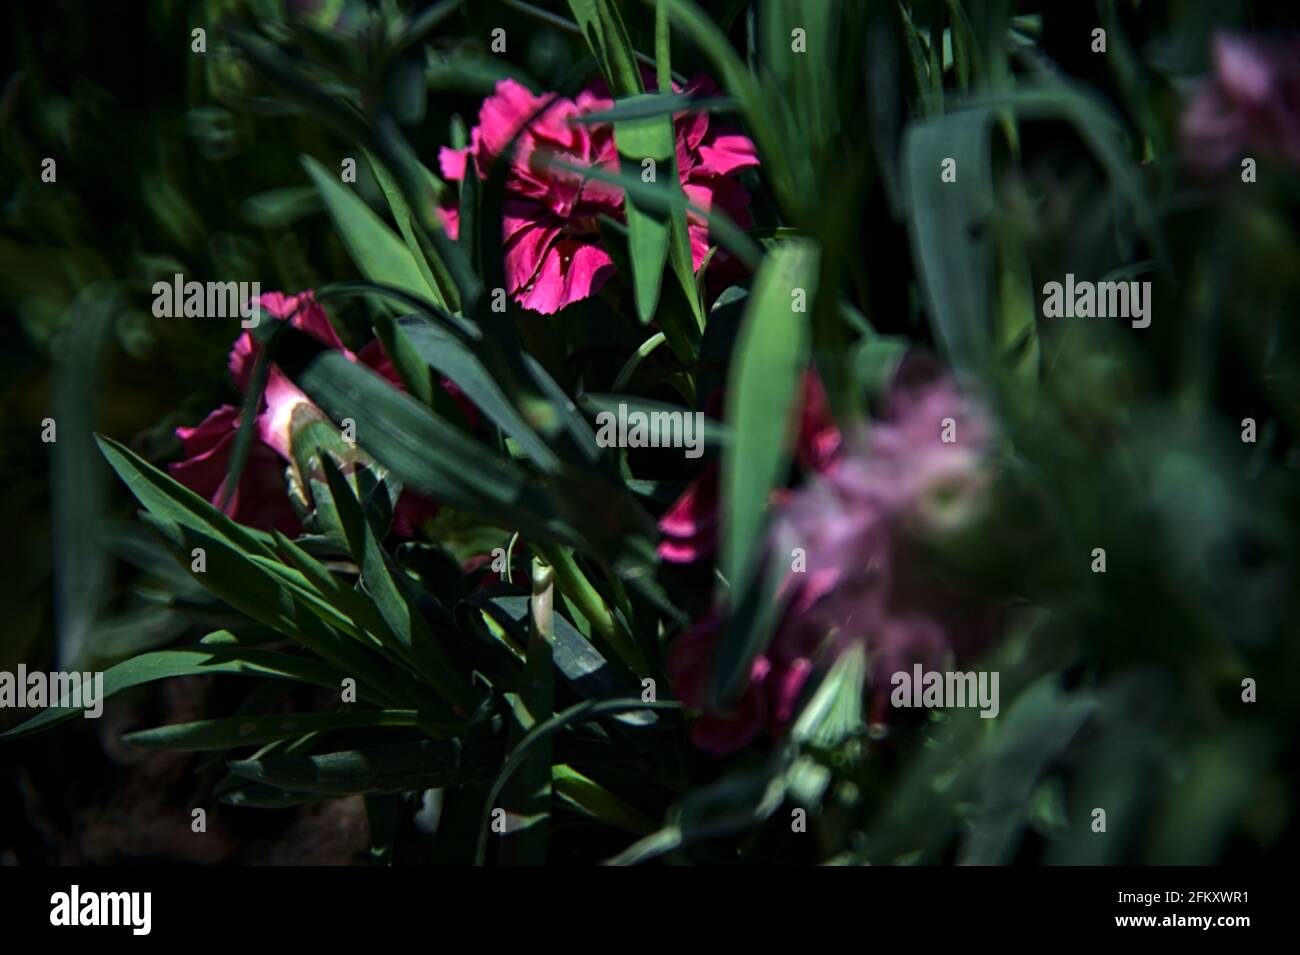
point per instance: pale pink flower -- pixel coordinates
(857, 522)
(1249, 104)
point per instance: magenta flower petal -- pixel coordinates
(207, 461)
(727, 195)
(727, 154)
(690, 665)
(786, 686)
(525, 254)
(450, 217)
(502, 115)
(690, 526)
(819, 439)
(274, 424)
(262, 498)
(452, 162)
(303, 312)
(570, 272)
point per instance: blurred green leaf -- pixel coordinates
(191, 661)
(249, 730)
(391, 768)
(948, 224)
(77, 477)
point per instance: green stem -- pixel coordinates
(578, 589)
(649, 345)
(599, 801)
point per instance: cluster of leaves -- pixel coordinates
(528, 694)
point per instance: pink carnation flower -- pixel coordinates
(553, 252)
(857, 523)
(262, 498)
(1250, 103)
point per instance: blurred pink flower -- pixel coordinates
(857, 522)
(767, 701)
(1250, 103)
(553, 251)
(262, 499)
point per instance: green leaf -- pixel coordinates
(411, 370)
(930, 97)
(1051, 97)
(418, 27)
(175, 503)
(279, 598)
(948, 226)
(78, 480)
(381, 256)
(597, 801)
(583, 668)
(736, 78)
(427, 454)
(453, 359)
(383, 817)
(420, 254)
(640, 140)
(875, 359)
(229, 574)
(581, 712)
(404, 621)
(247, 424)
(413, 180)
(1017, 312)
(653, 106)
(529, 793)
(280, 208)
(603, 29)
(353, 604)
(835, 711)
(734, 803)
(191, 661)
(463, 327)
(770, 358)
(576, 507)
(1032, 733)
(257, 796)
(248, 730)
(398, 767)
